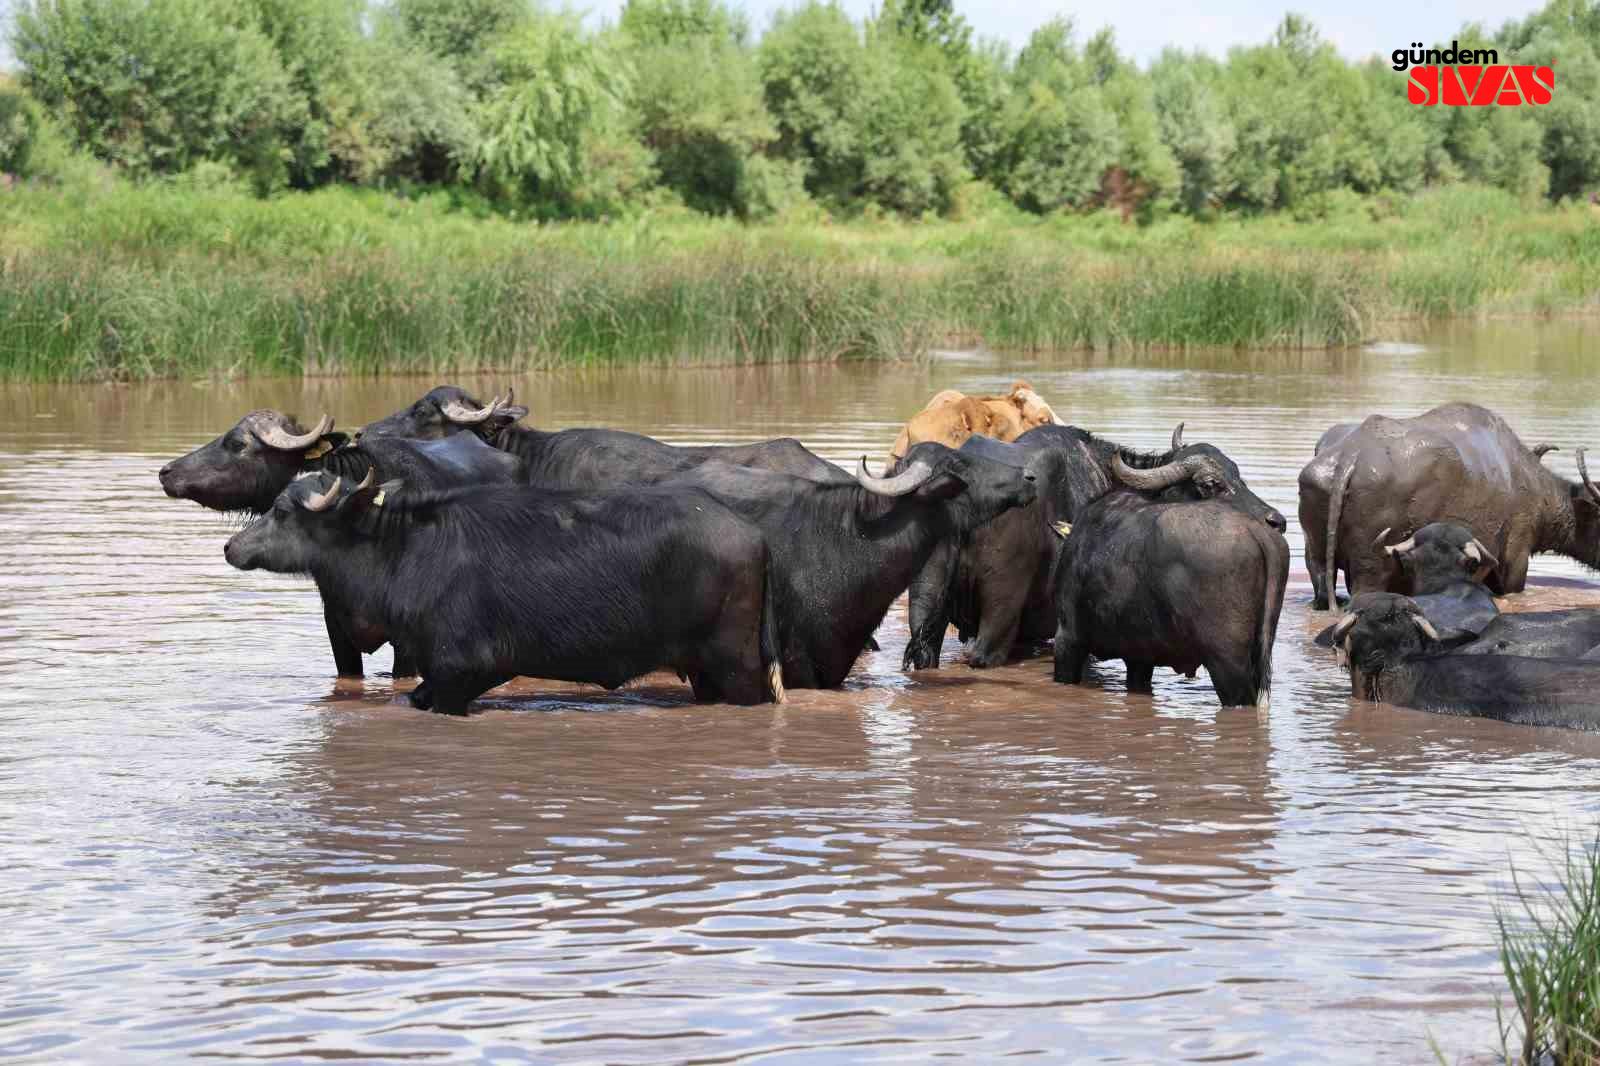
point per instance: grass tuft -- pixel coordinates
(1550, 953)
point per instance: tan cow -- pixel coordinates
(951, 417)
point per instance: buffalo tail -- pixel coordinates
(1277, 575)
(771, 653)
(1341, 482)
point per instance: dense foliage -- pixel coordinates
(522, 110)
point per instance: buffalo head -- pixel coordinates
(1379, 630)
(1197, 471)
(447, 410)
(980, 488)
(313, 515)
(246, 467)
(1438, 554)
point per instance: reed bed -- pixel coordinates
(125, 282)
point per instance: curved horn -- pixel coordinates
(275, 436)
(1425, 625)
(1583, 472)
(1541, 450)
(906, 481)
(1403, 547)
(462, 415)
(1152, 480)
(1480, 553)
(323, 500)
(366, 482)
(1342, 626)
(1177, 437)
(1377, 542)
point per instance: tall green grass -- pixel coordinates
(1550, 953)
(105, 280)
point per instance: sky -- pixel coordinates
(1357, 28)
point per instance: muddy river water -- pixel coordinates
(209, 849)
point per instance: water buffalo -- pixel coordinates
(1441, 565)
(842, 553)
(1539, 634)
(1394, 657)
(247, 467)
(994, 584)
(951, 417)
(580, 458)
(1444, 566)
(1185, 585)
(621, 583)
(1457, 462)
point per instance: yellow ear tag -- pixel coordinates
(377, 501)
(1062, 528)
(319, 449)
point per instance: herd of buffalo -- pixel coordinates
(482, 549)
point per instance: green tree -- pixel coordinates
(696, 100)
(549, 132)
(155, 86)
(1061, 135)
(464, 33)
(1193, 126)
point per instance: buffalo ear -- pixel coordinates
(369, 498)
(326, 443)
(506, 416)
(941, 486)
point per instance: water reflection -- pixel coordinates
(210, 848)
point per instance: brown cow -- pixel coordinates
(951, 417)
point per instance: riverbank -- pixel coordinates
(111, 281)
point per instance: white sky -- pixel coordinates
(1357, 28)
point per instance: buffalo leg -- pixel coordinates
(405, 664)
(346, 656)
(1071, 654)
(1139, 674)
(452, 693)
(929, 597)
(997, 629)
(1316, 561)
(1234, 687)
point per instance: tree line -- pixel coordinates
(528, 110)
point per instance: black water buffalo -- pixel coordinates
(580, 458)
(843, 552)
(1185, 585)
(1394, 657)
(1567, 634)
(1458, 462)
(994, 584)
(247, 467)
(1444, 565)
(617, 584)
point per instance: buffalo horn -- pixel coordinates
(1403, 547)
(323, 500)
(1541, 450)
(1342, 626)
(1424, 625)
(1177, 437)
(275, 436)
(1152, 480)
(463, 415)
(906, 481)
(366, 482)
(1583, 472)
(1479, 553)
